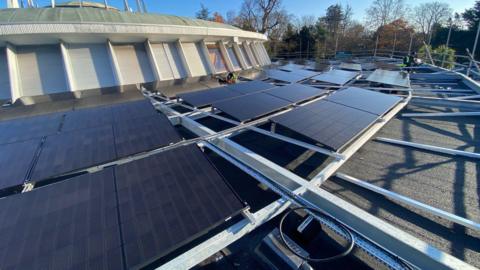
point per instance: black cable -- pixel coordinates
(327, 259)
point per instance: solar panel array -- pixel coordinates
(336, 76)
(251, 106)
(351, 66)
(338, 119)
(285, 76)
(119, 218)
(207, 97)
(295, 93)
(51, 145)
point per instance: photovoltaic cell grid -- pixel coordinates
(284, 76)
(145, 208)
(251, 106)
(331, 124)
(365, 100)
(87, 137)
(395, 78)
(250, 87)
(167, 200)
(207, 97)
(15, 161)
(295, 93)
(67, 225)
(336, 76)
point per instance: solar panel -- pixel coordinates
(207, 97)
(298, 70)
(284, 76)
(68, 151)
(295, 92)
(169, 199)
(250, 87)
(87, 118)
(350, 66)
(133, 109)
(15, 161)
(328, 123)
(395, 78)
(336, 76)
(365, 100)
(66, 225)
(22, 129)
(142, 134)
(251, 106)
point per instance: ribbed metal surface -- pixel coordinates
(196, 62)
(133, 63)
(91, 66)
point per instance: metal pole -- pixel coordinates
(394, 43)
(105, 3)
(474, 49)
(448, 41)
(376, 47)
(125, 3)
(139, 6)
(144, 6)
(410, 45)
(53, 3)
(336, 44)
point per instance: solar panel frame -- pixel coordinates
(331, 124)
(351, 66)
(169, 199)
(250, 87)
(251, 106)
(74, 150)
(365, 100)
(336, 76)
(138, 135)
(15, 161)
(296, 92)
(395, 78)
(206, 97)
(67, 225)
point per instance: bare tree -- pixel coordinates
(427, 15)
(382, 12)
(262, 15)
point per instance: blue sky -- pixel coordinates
(296, 7)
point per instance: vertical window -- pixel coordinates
(216, 58)
(233, 57)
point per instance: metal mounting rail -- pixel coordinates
(411, 202)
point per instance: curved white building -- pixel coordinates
(49, 51)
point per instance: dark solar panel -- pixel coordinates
(251, 106)
(15, 161)
(87, 118)
(284, 76)
(350, 66)
(142, 134)
(250, 87)
(365, 100)
(22, 129)
(336, 76)
(75, 150)
(67, 225)
(169, 199)
(207, 97)
(295, 92)
(133, 109)
(328, 123)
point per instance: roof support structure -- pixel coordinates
(432, 148)
(183, 58)
(411, 202)
(114, 63)
(298, 189)
(67, 66)
(240, 56)
(153, 61)
(13, 72)
(203, 47)
(226, 56)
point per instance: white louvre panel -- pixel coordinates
(4, 79)
(168, 60)
(244, 53)
(259, 52)
(233, 58)
(41, 70)
(251, 46)
(91, 66)
(250, 55)
(133, 63)
(196, 61)
(265, 53)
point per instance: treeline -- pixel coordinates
(390, 25)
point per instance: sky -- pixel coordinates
(298, 8)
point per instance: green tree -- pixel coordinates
(203, 13)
